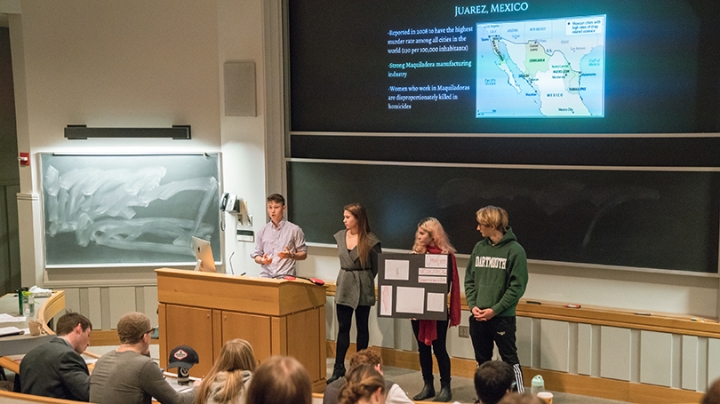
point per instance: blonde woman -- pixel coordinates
(365, 385)
(358, 249)
(431, 335)
(227, 381)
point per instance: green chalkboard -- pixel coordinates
(646, 219)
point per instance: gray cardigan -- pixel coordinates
(355, 284)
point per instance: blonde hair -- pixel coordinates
(362, 382)
(433, 227)
(280, 380)
(495, 217)
(363, 245)
(235, 357)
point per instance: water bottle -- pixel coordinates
(537, 385)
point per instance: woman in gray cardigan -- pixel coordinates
(358, 250)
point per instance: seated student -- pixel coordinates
(227, 381)
(365, 385)
(280, 380)
(128, 375)
(493, 379)
(395, 395)
(56, 369)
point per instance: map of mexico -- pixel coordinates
(541, 68)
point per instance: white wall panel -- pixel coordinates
(122, 301)
(615, 353)
(656, 353)
(525, 342)
(713, 366)
(554, 343)
(94, 309)
(584, 350)
(150, 301)
(689, 373)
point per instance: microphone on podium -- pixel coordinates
(183, 357)
(316, 281)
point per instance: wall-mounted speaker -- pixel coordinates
(240, 96)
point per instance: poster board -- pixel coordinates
(413, 285)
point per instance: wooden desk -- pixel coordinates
(278, 317)
(47, 309)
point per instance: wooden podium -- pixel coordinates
(278, 317)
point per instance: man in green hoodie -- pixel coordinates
(495, 279)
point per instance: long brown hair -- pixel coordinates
(358, 211)
(362, 382)
(433, 227)
(235, 357)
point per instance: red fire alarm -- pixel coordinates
(24, 159)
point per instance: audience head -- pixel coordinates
(76, 329)
(493, 379)
(713, 393)
(517, 398)
(431, 229)
(280, 380)
(135, 328)
(364, 385)
(235, 357)
(366, 357)
(494, 217)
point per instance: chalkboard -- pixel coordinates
(128, 209)
(647, 219)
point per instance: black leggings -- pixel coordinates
(344, 316)
(441, 354)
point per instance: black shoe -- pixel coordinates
(338, 372)
(445, 394)
(427, 392)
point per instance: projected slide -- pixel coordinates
(528, 67)
(542, 68)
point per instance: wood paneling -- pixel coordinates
(193, 327)
(252, 328)
(303, 331)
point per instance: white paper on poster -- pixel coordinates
(432, 279)
(398, 270)
(386, 300)
(410, 300)
(436, 302)
(436, 260)
(433, 271)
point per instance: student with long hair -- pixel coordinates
(430, 238)
(227, 381)
(358, 249)
(280, 380)
(365, 385)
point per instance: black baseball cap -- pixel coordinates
(183, 356)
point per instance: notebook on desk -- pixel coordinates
(8, 331)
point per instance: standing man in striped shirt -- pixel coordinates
(279, 243)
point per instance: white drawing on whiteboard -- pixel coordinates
(99, 206)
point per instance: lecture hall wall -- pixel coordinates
(137, 63)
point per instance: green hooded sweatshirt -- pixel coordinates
(496, 275)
